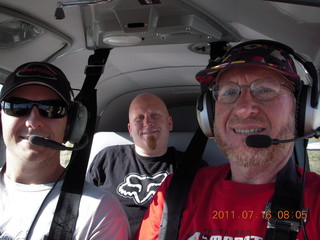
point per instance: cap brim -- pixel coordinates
(208, 75)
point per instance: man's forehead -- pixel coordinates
(242, 71)
(147, 109)
(148, 103)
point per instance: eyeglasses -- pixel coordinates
(19, 107)
(262, 89)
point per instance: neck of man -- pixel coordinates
(146, 152)
(257, 174)
(37, 172)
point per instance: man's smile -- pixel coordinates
(248, 131)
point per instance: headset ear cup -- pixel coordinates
(77, 122)
(301, 111)
(205, 113)
(2, 146)
(308, 119)
(1, 136)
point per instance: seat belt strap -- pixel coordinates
(280, 232)
(179, 187)
(284, 213)
(182, 179)
(66, 213)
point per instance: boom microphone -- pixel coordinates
(259, 141)
(48, 143)
(264, 141)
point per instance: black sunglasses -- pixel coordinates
(19, 107)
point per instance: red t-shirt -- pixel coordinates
(221, 209)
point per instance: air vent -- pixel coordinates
(135, 25)
(201, 48)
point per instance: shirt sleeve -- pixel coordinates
(96, 173)
(150, 225)
(110, 221)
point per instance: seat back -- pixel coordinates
(179, 140)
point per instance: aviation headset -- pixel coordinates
(307, 94)
(48, 75)
(77, 122)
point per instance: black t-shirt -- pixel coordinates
(132, 178)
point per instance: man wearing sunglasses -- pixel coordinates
(36, 99)
(261, 194)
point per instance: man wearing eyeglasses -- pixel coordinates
(255, 91)
(36, 100)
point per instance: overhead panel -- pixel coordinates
(147, 22)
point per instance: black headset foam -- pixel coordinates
(77, 122)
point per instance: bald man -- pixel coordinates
(134, 172)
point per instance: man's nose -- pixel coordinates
(148, 121)
(246, 106)
(34, 119)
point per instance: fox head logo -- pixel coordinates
(140, 188)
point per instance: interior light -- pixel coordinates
(122, 41)
(15, 31)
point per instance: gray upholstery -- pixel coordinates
(180, 140)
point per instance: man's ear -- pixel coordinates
(129, 129)
(170, 123)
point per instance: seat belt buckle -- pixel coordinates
(285, 219)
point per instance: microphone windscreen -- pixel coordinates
(37, 140)
(259, 141)
(44, 142)
(48, 143)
